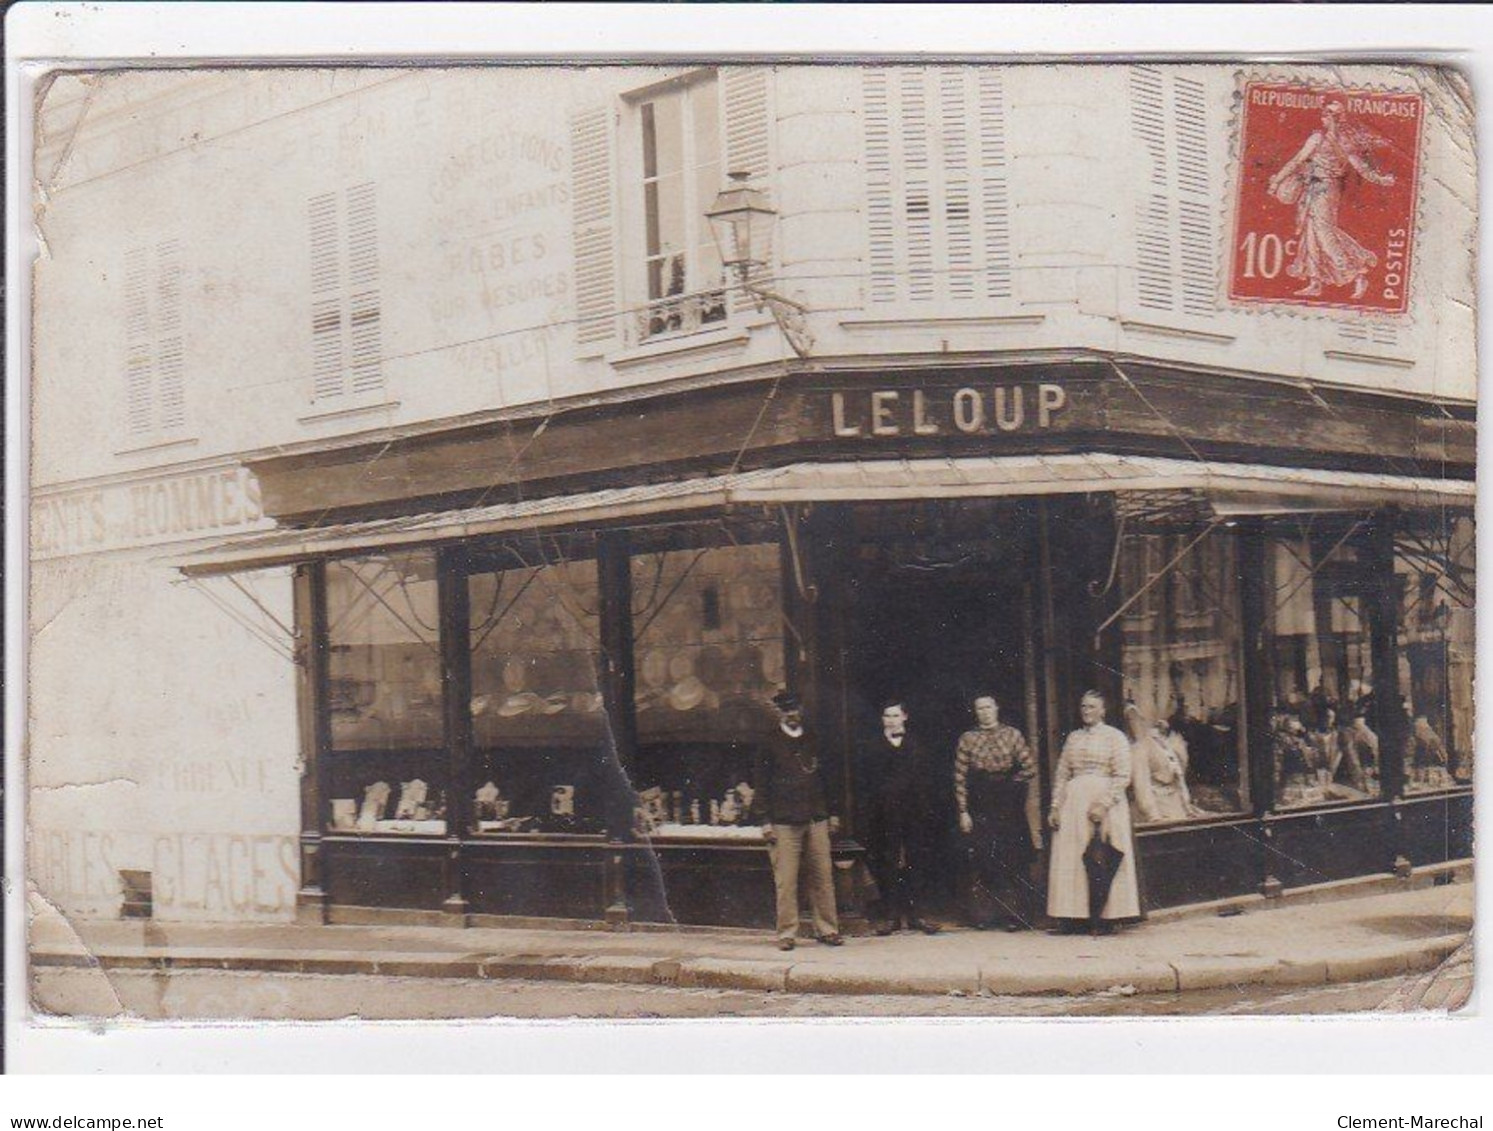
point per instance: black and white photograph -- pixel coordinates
(749, 538)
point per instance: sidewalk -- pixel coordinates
(1348, 940)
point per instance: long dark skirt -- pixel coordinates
(1002, 890)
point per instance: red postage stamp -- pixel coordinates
(1325, 212)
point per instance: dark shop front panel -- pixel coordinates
(1194, 865)
(718, 887)
(385, 873)
(541, 881)
(1330, 844)
(1434, 830)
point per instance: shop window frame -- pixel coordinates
(456, 751)
(1460, 597)
(1346, 532)
(331, 756)
(704, 540)
(1159, 610)
(500, 555)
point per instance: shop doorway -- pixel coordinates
(935, 625)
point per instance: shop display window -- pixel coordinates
(708, 649)
(1322, 736)
(388, 771)
(1435, 565)
(540, 737)
(1183, 674)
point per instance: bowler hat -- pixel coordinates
(786, 701)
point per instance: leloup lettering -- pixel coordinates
(971, 410)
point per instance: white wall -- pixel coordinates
(477, 273)
(162, 738)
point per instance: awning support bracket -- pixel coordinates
(1096, 590)
(281, 649)
(810, 593)
(263, 608)
(1164, 572)
(1312, 572)
(393, 612)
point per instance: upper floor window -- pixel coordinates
(1176, 251)
(155, 394)
(680, 135)
(937, 202)
(643, 174)
(346, 309)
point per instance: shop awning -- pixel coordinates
(1227, 488)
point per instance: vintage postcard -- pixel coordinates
(751, 539)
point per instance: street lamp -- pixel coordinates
(741, 222)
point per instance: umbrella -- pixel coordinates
(1101, 861)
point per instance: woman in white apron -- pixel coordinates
(1089, 788)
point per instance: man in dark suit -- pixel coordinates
(898, 788)
(796, 823)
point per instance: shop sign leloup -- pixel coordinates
(967, 410)
(118, 516)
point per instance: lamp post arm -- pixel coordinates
(790, 316)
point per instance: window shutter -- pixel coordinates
(953, 124)
(744, 92)
(365, 329)
(139, 378)
(917, 188)
(1153, 259)
(936, 197)
(744, 99)
(990, 190)
(346, 307)
(1175, 249)
(326, 297)
(594, 219)
(170, 355)
(1366, 333)
(155, 361)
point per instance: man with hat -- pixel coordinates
(796, 823)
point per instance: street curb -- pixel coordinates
(1216, 973)
(1139, 978)
(620, 969)
(1383, 962)
(1179, 975)
(732, 974)
(805, 979)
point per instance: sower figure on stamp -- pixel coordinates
(1314, 181)
(898, 788)
(994, 792)
(796, 824)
